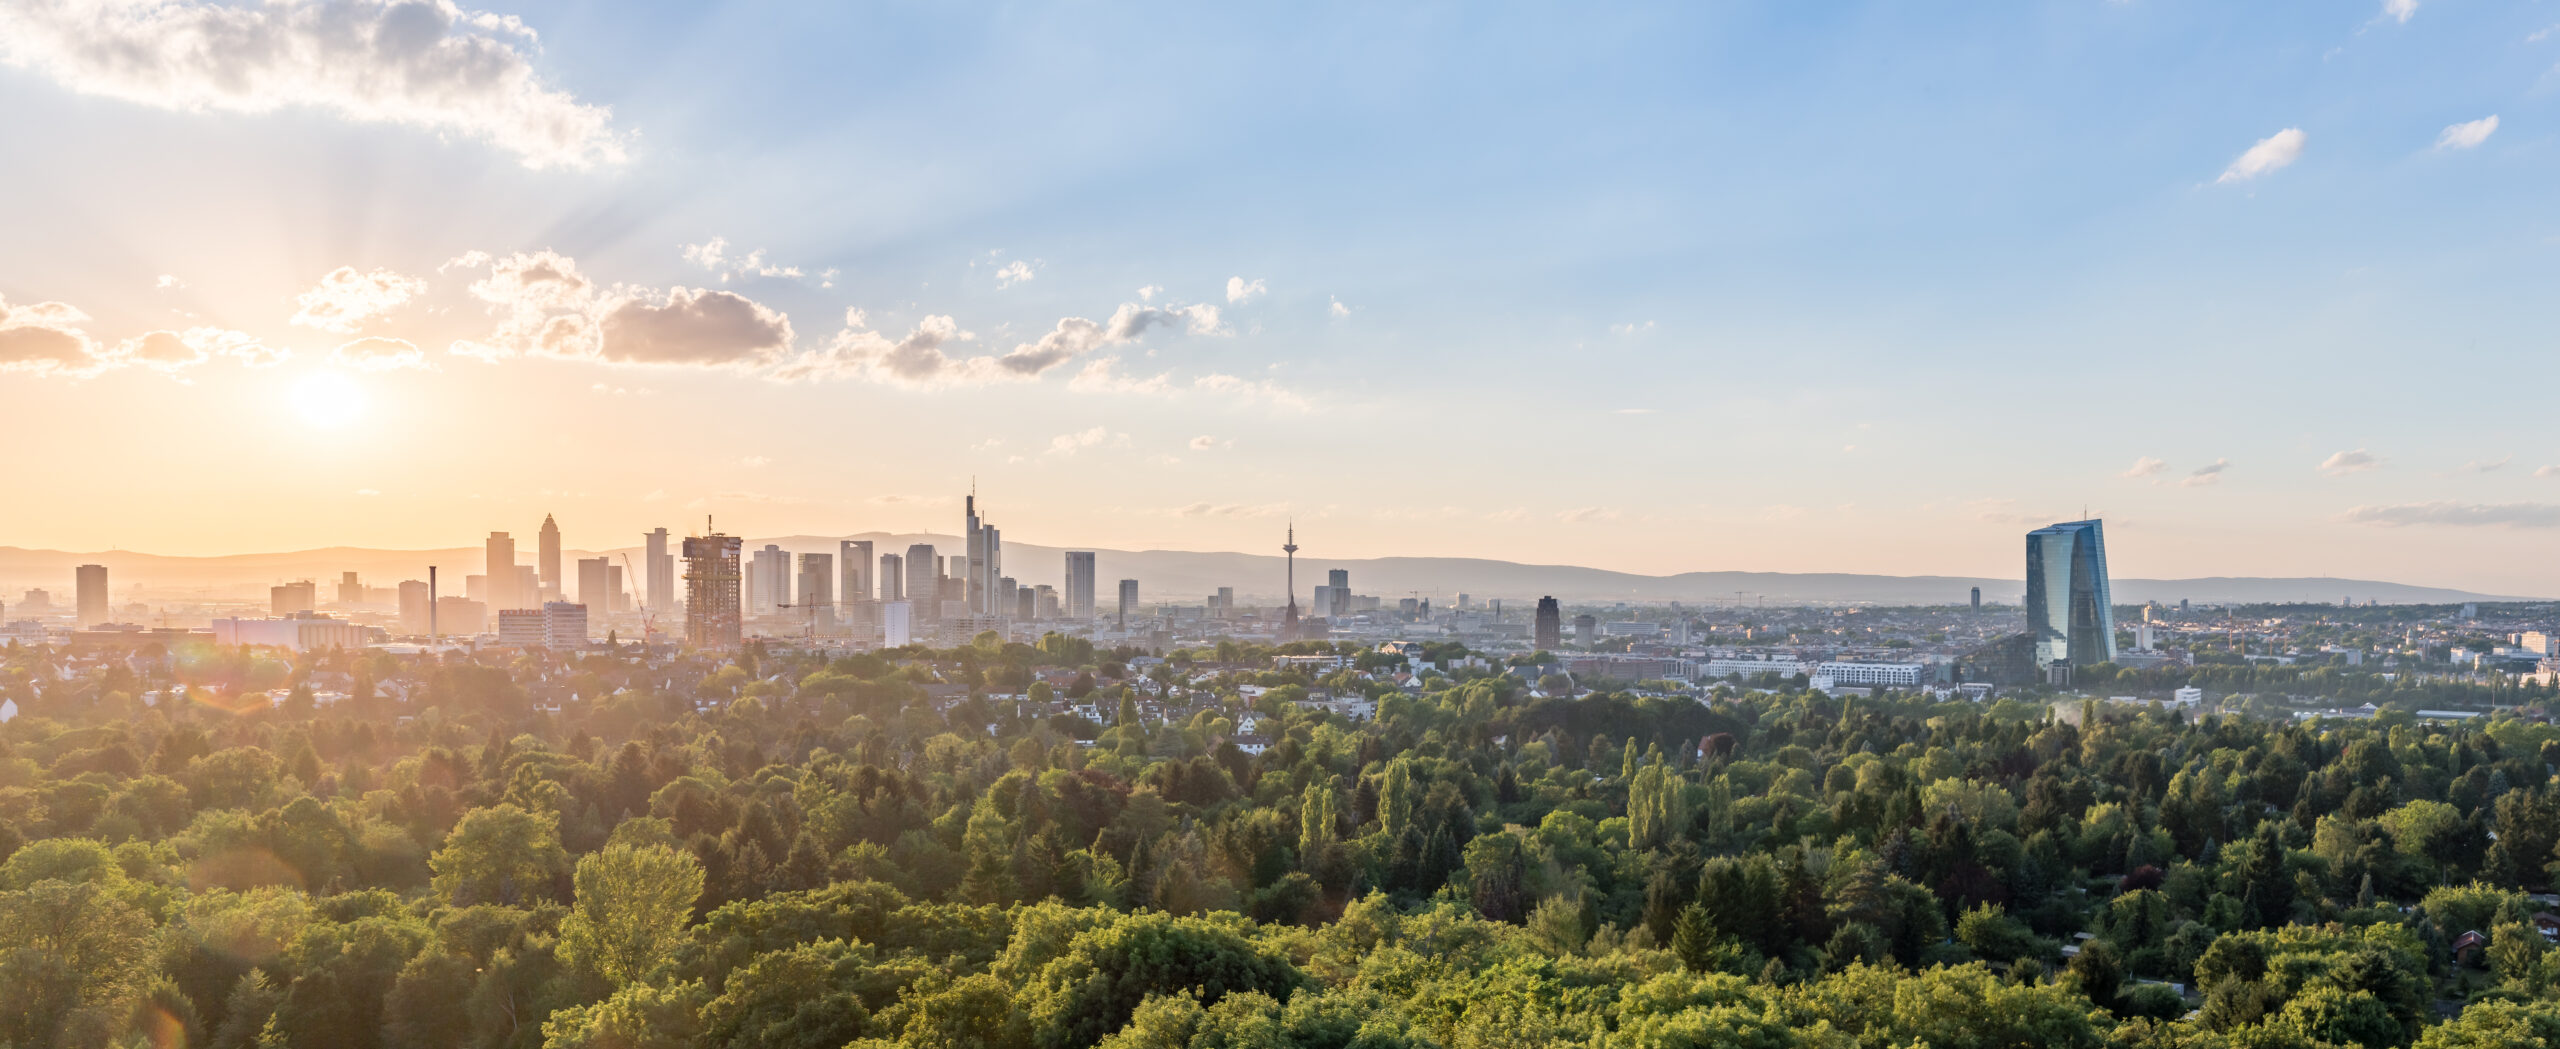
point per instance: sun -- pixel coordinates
(329, 400)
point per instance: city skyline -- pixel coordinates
(1727, 284)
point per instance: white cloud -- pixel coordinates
(1093, 437)
(2348, 462)
(1013, 273)
(1149, 293)
(2467, 515)
(1103, 375)
(2272, 153)
(1240, 290)
(169, 351)
(422, 63)
(1338, 310)
(2546, 471)
(368, 491)
(2399, 10)
(1204, 443)
(376, 354)
(2147, 466)
(169, 281)
(755, 462)
(920, 360)
(2482, 466)
(1231, 510)
(714, 255)
(1636, 411)
(2469, 133)
(1587, 514)
(2208, 474)
(1631, 328)
(345, 299)
(547, 308)
(47, 338)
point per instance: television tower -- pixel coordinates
(1289, 618)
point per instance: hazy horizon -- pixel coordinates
(1860, 289)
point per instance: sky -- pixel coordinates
(1656, 288)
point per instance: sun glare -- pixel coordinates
(329, 400)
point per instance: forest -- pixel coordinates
(931, 848)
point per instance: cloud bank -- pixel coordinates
(421, 63)
(2272, 153)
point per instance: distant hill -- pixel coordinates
(1188, 576)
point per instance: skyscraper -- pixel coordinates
(1338, 582)
(854, 557)
(818, 589)
(595, 587)
(1977, 599)
(1586, 630)
(924, 587)
(660, 563)
(769, 581)
(90, 587)
(985, 560)
(502, 571)
(711, 590)
(1128, 601)
(2069, 608)
(893, 578)
(1079, 596)
(1550, 628)
(547, 558)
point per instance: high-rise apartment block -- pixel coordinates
(1550, 626)
(1079, 588)
(2069, 607)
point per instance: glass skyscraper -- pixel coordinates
(2069, 609)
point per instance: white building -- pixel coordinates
(1868, 675)
(1719, 669)
(306, 632)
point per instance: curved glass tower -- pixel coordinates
(2069, 609)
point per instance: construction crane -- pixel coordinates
(648, 615)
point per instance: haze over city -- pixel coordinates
(1851, 289)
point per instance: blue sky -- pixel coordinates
(1769, 286)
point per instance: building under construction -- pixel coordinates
(711, 590)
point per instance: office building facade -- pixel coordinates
(2070, 610)
(711, 590)
(90, 587)
(1079, 588)
(1549, 631)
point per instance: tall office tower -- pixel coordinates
(595, 587)
(1550, 627)
(1586, 630)
(1006, 587)
(1026, 603)
(547, 558)
(711, 590)
(90, 586)
(1977, 599)
(897, 622)
(1321, 601)
(618, 597)
(1340, 580)
(292, 597)
(1044, 602)
(416, 607)
(1289, 616)
(350, 592)
(1079, 588)
(661, 566)
(854, 557)
(1128, 601)
(818, 587)
(1226, 602)
(2068, 602)
(924, 586)
(528, 587)
(502, 571)
(893, 578)
(984, 561)
(769, 581)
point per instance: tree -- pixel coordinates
(630, 912)
(500, 854)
